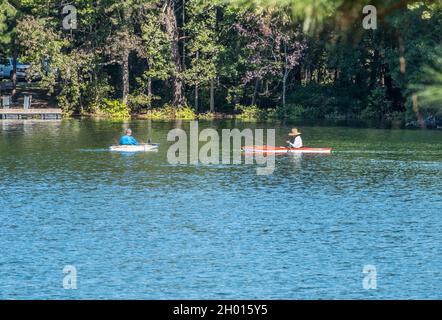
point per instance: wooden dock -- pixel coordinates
(44, 114)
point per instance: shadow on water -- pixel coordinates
(350, 123)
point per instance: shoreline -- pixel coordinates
(245, 113)
(339, 122)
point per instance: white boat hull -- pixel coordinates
(269, 149)
(135, 148)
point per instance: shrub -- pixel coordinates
(167, 112)
(95, 92)
(185, 113)
(170, 112)
(139, 101)
(410, 115)
(377, 104)
(207, 116)
(395, 116)
(293, 112)
(311, 102)
(112, 108)
(250, 113)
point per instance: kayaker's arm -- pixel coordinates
(133, 141)
(296, 144)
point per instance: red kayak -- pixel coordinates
(270, 149)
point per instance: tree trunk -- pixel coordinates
(197, 88)
(184, 34)
(388, 80)
(149, 91)
(336, 76)
(125, 76)
(14, 69)
(374, 69)
(402, 63)
(183, 42)
(419, 117)
(309, 74)
(284, 90)
(212, 96)
(284, 81)
(172, 32)
(297, 75)
(319, 76)
(196, 98)
(255, 92)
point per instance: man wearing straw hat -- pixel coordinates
(297, 143)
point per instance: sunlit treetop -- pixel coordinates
(313, 13)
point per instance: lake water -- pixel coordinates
(135, 226)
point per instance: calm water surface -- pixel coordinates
(138, 227)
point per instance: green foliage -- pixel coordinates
(207, 116)
(429, 90)
(395, 116)
(410, 114)
(377, 104)
(169, 112)
(305, 99)
(155, 47)
(248, 48)
(137, 101)
(315, 14)
(114, 109)
(202, 47)
(95, 92)
(7, 15)
(185, 113)
(293, 112)
(63, 73)
(250, 113)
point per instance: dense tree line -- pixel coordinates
(284, 59)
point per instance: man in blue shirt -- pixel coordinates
(128, 140)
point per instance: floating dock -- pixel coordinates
(44, 114)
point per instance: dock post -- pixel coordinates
(27, 102)
(6, 102)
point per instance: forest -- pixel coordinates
(255, 59)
